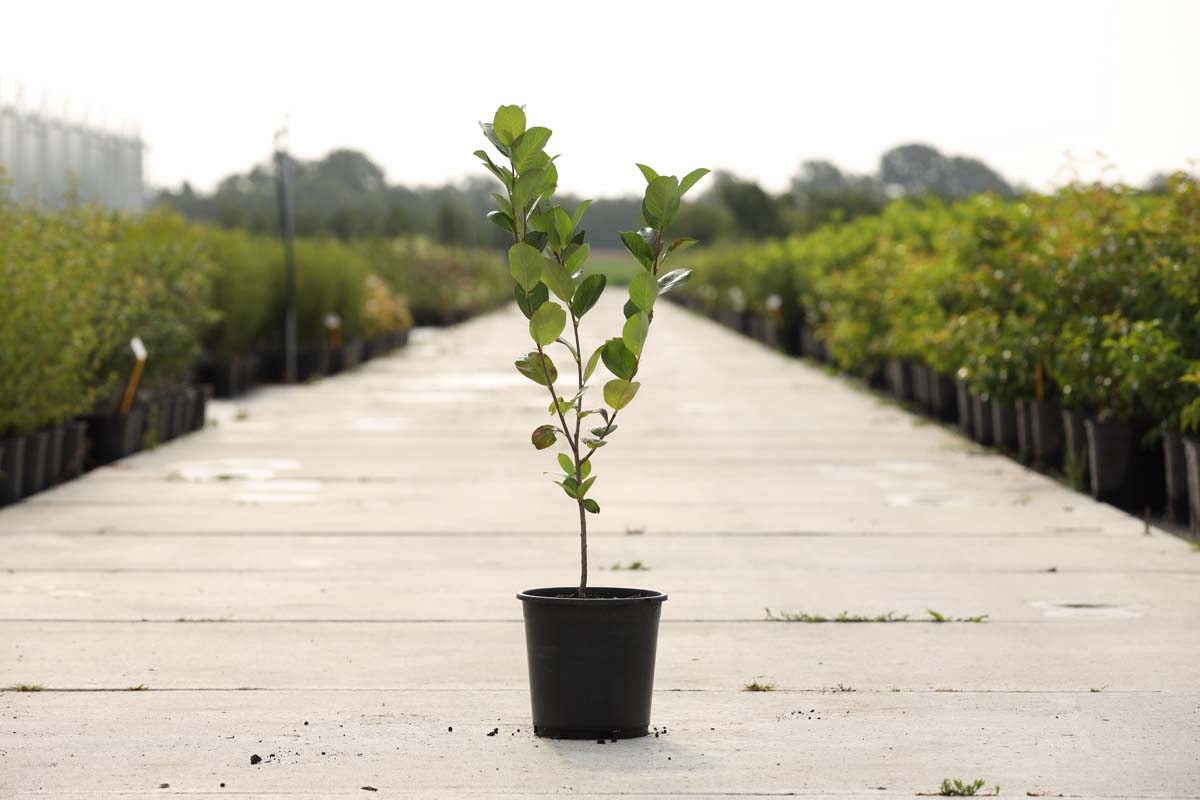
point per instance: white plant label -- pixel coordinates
(139, 349)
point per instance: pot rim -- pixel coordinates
(617, 596)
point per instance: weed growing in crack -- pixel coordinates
(757, 686)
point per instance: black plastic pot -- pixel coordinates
(591, 661)
(962, 398)
(1122, 472)
(12, 469)
(981, 418)
(1175, 463)
(1004, 425)
(1046, 427)
(204, 393)
(1075, 455)
(1191, 454)
(54, 455)
(183, 411)
(164, 417)
(37, 446)
(898, 379)
(74, 449)
(116, 435)
(942, 401)
(1024, 432)
(919, 376)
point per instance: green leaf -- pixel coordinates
(643, 290)
(635, 244)
(561, 340)
(502, 221)
(594, 444)
(570, 486)
(630, 309)
(502, 203)
(558, 279)
(661, 201)
(676, 277)
(530, 366)
(690, 179)
(500, 172)
(604, 431)
(619, 359)
(509, 124)
(683, 243)
(528, 145)
(583, 488)
(592, 506)
(525, 265)
(528, 186)
(648, 173)
(592, 361)
(530, 301)
(547, 323)
(577, 217)
(578, 255)
(634, 334)
(559, 406)
(536, 240)
(585, 469)
(587, 294)
(620, 393)
(489, 131)
(543, 436)
(566, 463)
(562, 224)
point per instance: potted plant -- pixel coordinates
(591, 649)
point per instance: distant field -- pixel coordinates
(618, 265)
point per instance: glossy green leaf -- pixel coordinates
(643, 290)
(528, 145)
(676, 277)
(558, 279)
(502, 173)
(619, 359)
(502, 203)
(594, 444)
(583, 488)
(570, 486)
(630, 309)
(620, 393)
(577, 217)
(604, 430)
(661, 201)
(579, 254)
(647, 173)
(636, 245)
(547, 323)
(509, 124)
(634, 333)
(682, 243)
(543, 436)
(525, 265)
(690, 179)
(559, 406)
(587, 294)
(562, 340)
(591, 506)
(585, 469)
(592, 361)
(536, 240)
(529, 186)
(531, 300)
(530, 366)
(489, 131)
(501, 220)
(562, 224)
(566, 463)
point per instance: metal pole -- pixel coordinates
(287, 228)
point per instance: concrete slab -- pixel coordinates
(370, 530)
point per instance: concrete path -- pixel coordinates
(325, 579)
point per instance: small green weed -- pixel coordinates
(957, 788)
(634, 566)
(26, 687)
(242, 415)
(757, 686)
(141, 687)
(845, 616)
(937, 616)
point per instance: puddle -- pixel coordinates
(1062, 609)
(224, 469)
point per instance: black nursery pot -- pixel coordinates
(1046, 432)
(1122, 472)
(1004, 425)
(981, 418)
(942, 401)
(12, 469)
(37, 449)
(54, 455)
(1075, 446)
(591, 660)
(962, 397)
(1175, 462)
(74, 448)
(1191, 454)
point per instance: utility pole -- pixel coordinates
(287, 229)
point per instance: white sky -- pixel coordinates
(750, 86)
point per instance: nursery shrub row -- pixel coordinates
(77, 285)
(1063, 328)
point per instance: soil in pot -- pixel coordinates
(74, 449)
(1175, 463)
(1122, 472)
(12, 469)
(1191, 454)
(591, 660)
(1075, 456)
(1046, 430)
(37, 447)
(981, 418)
(962, 399)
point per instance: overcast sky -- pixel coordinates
(754, 87)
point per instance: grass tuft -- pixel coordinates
(25, 687)
(756, 686)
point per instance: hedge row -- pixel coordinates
(76, 285)
(1090, 296)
